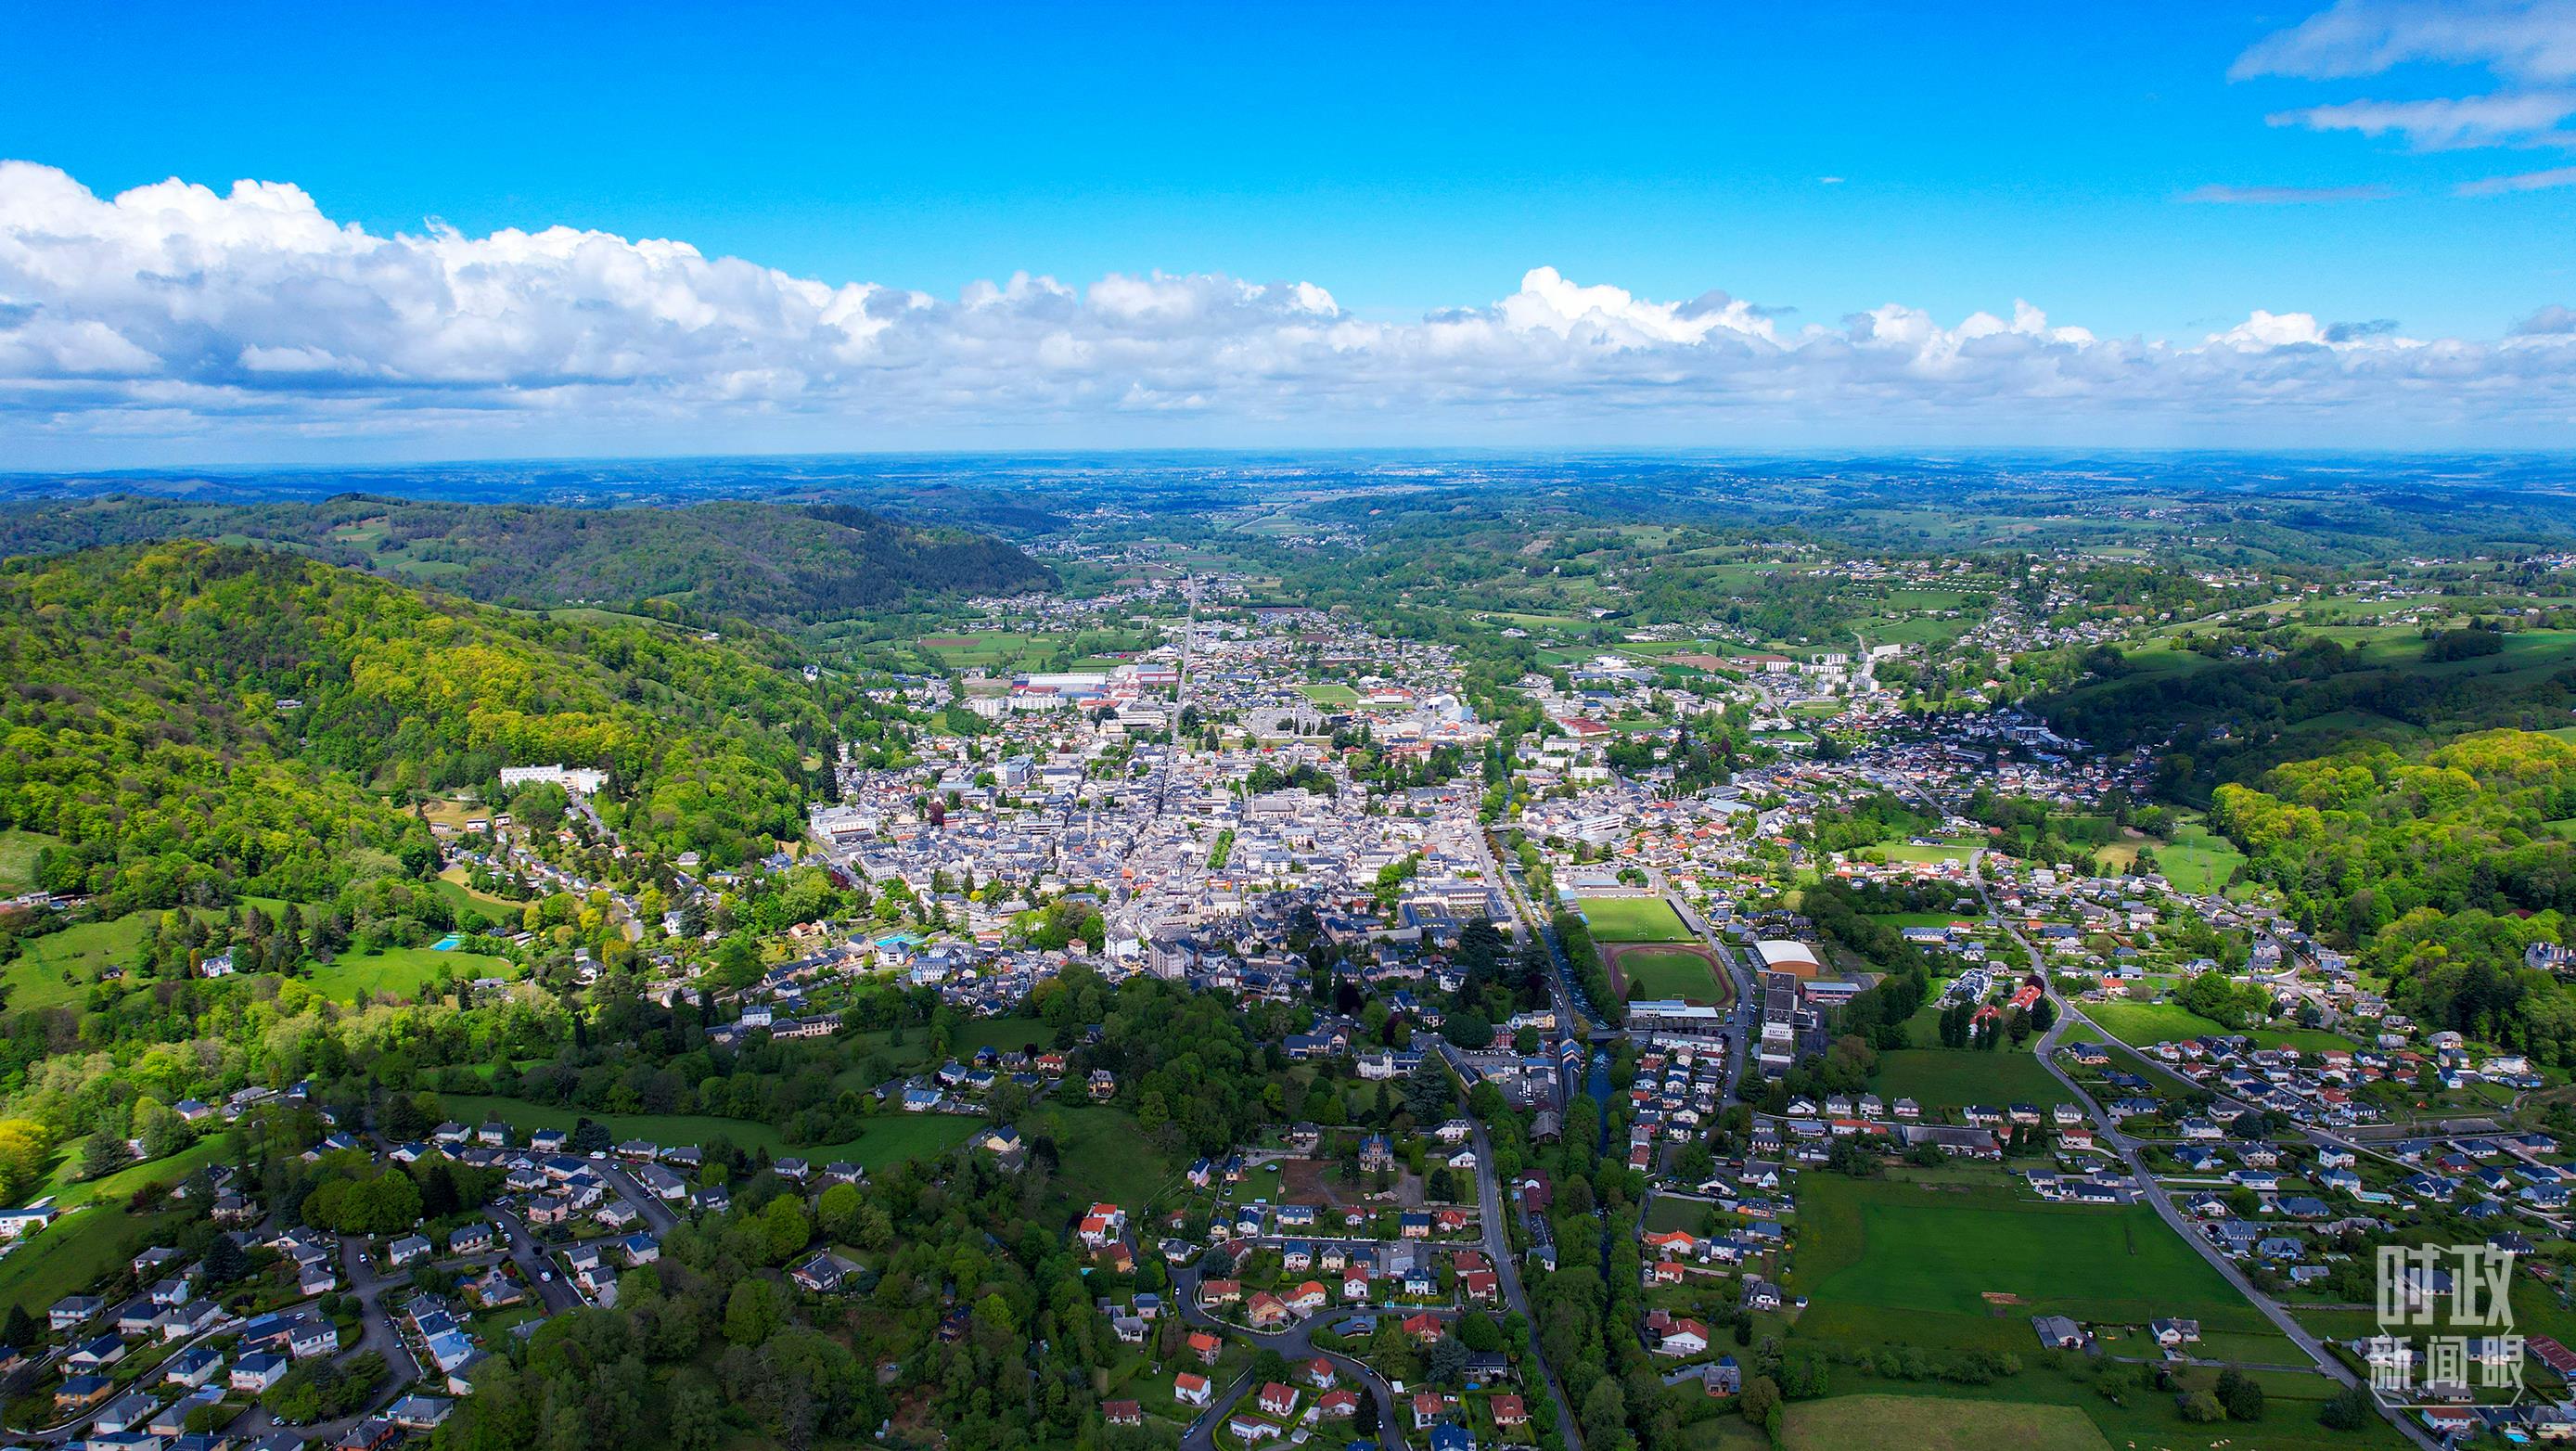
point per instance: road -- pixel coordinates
(2126, 1147)
(1296, 1344)
(657, 1215)
(1492, 1209)
(553, 1291)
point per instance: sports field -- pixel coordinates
(1631, 919)
(1928, 1423)
(1652, 971)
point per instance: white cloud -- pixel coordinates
(2443, 125)
(2527, 46)
(2528, 40)
(2217, 194)
(2549, 180)
(180, 312)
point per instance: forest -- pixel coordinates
(2438, 868)
(192, 723)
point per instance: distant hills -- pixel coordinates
(770, 564)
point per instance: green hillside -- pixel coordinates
(192, 723)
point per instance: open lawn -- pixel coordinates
(100, 1232)
(1896, 1261)
(1670, 1212)
(37, 978)
(1672, 972)
(889, 1139)
(1903, 849)
(402, 972)
(451, 886)
(1631, 919)
(1941, 1078)
(913, 1053)
(2030, 1401)
(2197, 859)
(18, 859)
(1101, 1153)
(2142, 1024)
(1924, 1423)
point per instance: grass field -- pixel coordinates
(888, 1140)
(1676, 972)
(1101, 1153)
(2142, 1024)
(35, 980)
(1942, 1078)
(402, 972)
(999, 1034)
(18, 859)
(451, 885)
(1895, 1261)
(81, 1246)
(1902, 849)
(1926, 1423)
(2198, 860)
(1339, 696)
(1631, 919)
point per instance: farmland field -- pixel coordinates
(2143, 1024)
(1931, 1424)
(1904, 1262)
(1940, 1078)
(1631, 919)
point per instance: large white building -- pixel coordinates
(1781, 954)
(576, 780)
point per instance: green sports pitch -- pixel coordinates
(1631, 919)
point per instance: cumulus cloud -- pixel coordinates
(176, 309)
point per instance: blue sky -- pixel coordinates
(1409, 160)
